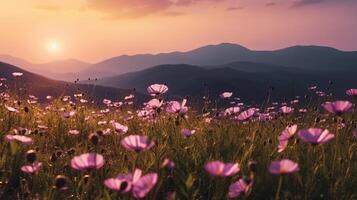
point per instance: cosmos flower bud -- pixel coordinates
(31, 156)
(61, 182)
(252, 166)
(94, 138)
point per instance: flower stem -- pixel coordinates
(279, 188)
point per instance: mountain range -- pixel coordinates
(300, 57)
(212, 69)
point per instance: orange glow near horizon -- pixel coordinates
(92, 30)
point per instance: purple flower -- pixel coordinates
(138, 184)
(337, 107)
(284, 166)
(31, 168)
(168, 163)
(315, 135)
(137, 143)
(187, 132)
(218, 168)
(238, 188)
(351, 92)
(87, 161)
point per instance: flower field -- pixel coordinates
(69, 148)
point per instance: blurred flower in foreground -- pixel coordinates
(337, 107)
(218, 168)
(315, 135)
(87, 161)
(241, 187)
(284, 166)
(351, 92)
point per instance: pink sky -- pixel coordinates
(92, 30)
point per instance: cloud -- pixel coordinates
(301, 3)
(138, 8)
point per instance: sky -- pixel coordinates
(94, 30)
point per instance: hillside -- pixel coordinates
(40, 86)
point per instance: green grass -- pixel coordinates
(326, 171)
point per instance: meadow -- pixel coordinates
(69, 148)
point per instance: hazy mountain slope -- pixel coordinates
(40, 86)
(302, 57)
(60, 69)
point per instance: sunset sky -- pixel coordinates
(92, 30)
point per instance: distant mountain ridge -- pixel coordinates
(302, 57)
(58, 69)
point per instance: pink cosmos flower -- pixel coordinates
(154, 104)
(119, 128)
(282, 145)
(31, 168)
(68, 114)
(11, 109)
(176, 107)
(20, 138)
(352, 92)
(129, 97)
(302, 110)
(157, 89)
(286, 109)
(288, 132)
(226, 95)
(142, 186)
(107, 101)
(168, 163)
(232, 110)
(17, 74)
(218, 168)
(238, 188)
(137, 143)
(337, 107)
(138, 184)
(245, 115)
(73, 132)
(315, 135)
(87, 161)
(187, 132)
(284, 166)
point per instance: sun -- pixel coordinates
(53, 47)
